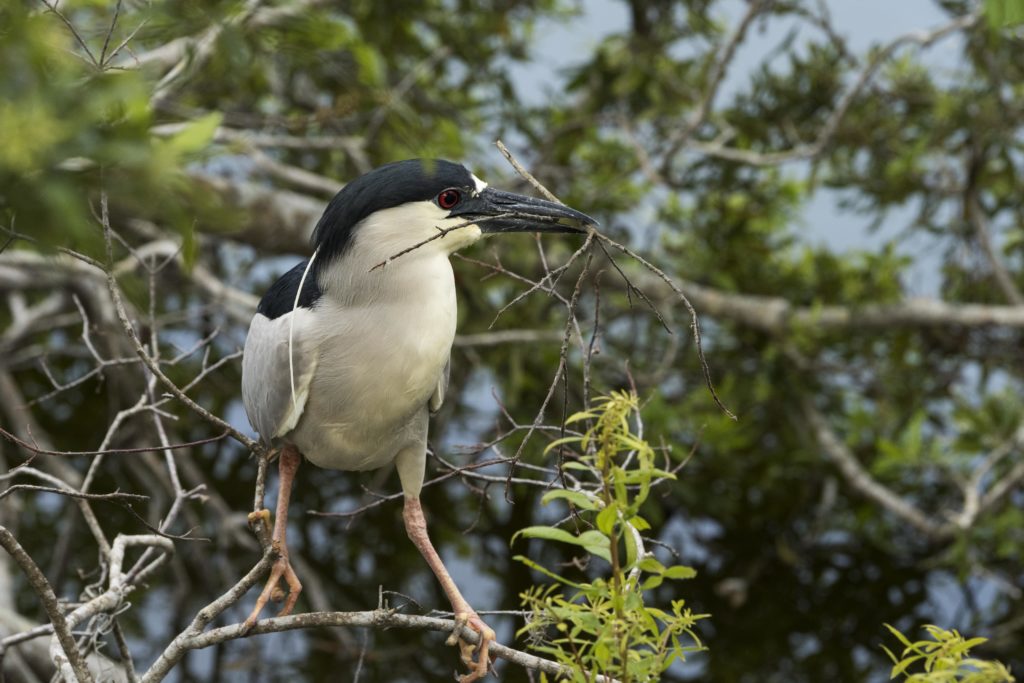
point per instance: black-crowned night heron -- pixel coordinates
(348, 370)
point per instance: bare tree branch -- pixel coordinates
(859, 478)
(70, 656)
(776, 315)
(375, 619)
(115, 294)
(975, 214)
(277, 221)
(272, 167)
(115, 451)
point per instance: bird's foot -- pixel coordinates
(479, 666)
(281, 570)
(259, 522)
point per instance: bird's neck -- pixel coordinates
(421, 278)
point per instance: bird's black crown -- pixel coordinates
(385, 187)
(390, 185)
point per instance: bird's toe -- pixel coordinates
(476, 656)
(294, 588)
(280, 571)
(259, 522)
(263, 516)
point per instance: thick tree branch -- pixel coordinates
(375, 619)
(858, 477)
(263, 162)
(976, 502)
(776, 315)
(277, 221)
(979, 221)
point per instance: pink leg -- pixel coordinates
(416, 527)
(288, 465)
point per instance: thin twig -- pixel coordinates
(74, 32)
(715, 78)
(116, 496)
(122, 315)
(526, 175)
(109, 451)
(562, 362)
(110, 32)
(442, 232)
(694, 322)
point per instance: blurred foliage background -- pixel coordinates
(874, 474)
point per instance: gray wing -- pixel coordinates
(437, 398)
(266, 375)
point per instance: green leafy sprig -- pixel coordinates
(944, 658)
(604, 626)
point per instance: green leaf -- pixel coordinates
(371, 67)
(560, 442)
(680, 572)
(547, 572)
(606, 519)
(577, 498)
(596, 544)
(651, 565)
(631, 549)
(196, 135)
(1004, 13)
(592, 541)
(972, 643)
(899, 636)
(639, 523)
(904, 664)
(546, 533)
(593, 537)
(652, 582)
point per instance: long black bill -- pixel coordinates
(500, 211)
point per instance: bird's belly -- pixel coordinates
(359, 442)
(360, 433)
(368, 400)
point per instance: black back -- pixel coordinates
(280, 298)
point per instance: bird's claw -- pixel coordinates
(456, 634)
(260, 515)
(256, 517)
(479, 666)
(259, 522)
(281, 570)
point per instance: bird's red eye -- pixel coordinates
(448, 198)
